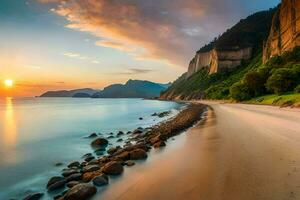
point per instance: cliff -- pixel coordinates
(219, 64)
(235, 45)
(285, 30)
(218, 60)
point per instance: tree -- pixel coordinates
(240, 92)
(282, 80)
(255, 82)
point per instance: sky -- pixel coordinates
(66, 44)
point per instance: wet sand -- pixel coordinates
(240, 152)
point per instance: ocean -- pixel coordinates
(37, 133)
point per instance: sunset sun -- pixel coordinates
(8, 83)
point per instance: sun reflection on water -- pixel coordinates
(10, 131)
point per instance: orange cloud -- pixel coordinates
(163, 30)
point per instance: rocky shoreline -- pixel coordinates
(83, 178)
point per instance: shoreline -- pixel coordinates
(81, 177)
(232, 154)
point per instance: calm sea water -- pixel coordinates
(36, 133)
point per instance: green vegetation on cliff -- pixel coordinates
(279, 75)
(251, 31)
(210, 86)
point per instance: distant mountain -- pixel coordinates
(132, 89)
(70, 93)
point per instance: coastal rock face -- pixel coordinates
(285, 30)
(218, 60)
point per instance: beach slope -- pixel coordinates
(239, 152)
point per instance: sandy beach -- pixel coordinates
(240, 152)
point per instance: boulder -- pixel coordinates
(74, 177)
(72, 184)
(120, 133)
(88, 176)
(90, 168)
(138, 154)
(68, 172)
(56, 182)
(112, 150)
(93, 135)
(123, 155)
(137, 131)
(58, 164)
(74, 164)
(100, 142)
(113, 168)
(82, 191)
(89, 158)
(120, 140)
(34, 196)
(100, 180)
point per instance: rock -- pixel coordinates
(69, 172)
(138, 154)
(159, 144)
(72, 184)
(129, 132)
(82, 191)
(34, 196)
(129, 163)
(74, 164)
(137, 131)
(120, 140)
(100, 180)
(123, 156)
(59, 197)
(93, 162)
(120, 133)
(100, 142)
(56, 182)
(110, 137)
(74, 177)
(141, 118)
(90, 158)
(91, 168)
(112, 150)
(87, 155)
(88, 176)
(157, 138)
(113, 168)
(93, 135)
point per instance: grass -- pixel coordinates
(290, 99)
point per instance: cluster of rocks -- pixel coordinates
(162, 114)
(83, 178)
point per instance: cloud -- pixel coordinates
(135, 71)
(169, 30)
(80, 57)
(71, 55)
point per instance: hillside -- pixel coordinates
(69, 93)
(132, 89)
(224, 61)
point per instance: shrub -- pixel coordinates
(240, 92)
(255, 82)
(297, 89)
(282, 80)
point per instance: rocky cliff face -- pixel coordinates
(218, 60)
(285, 30)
